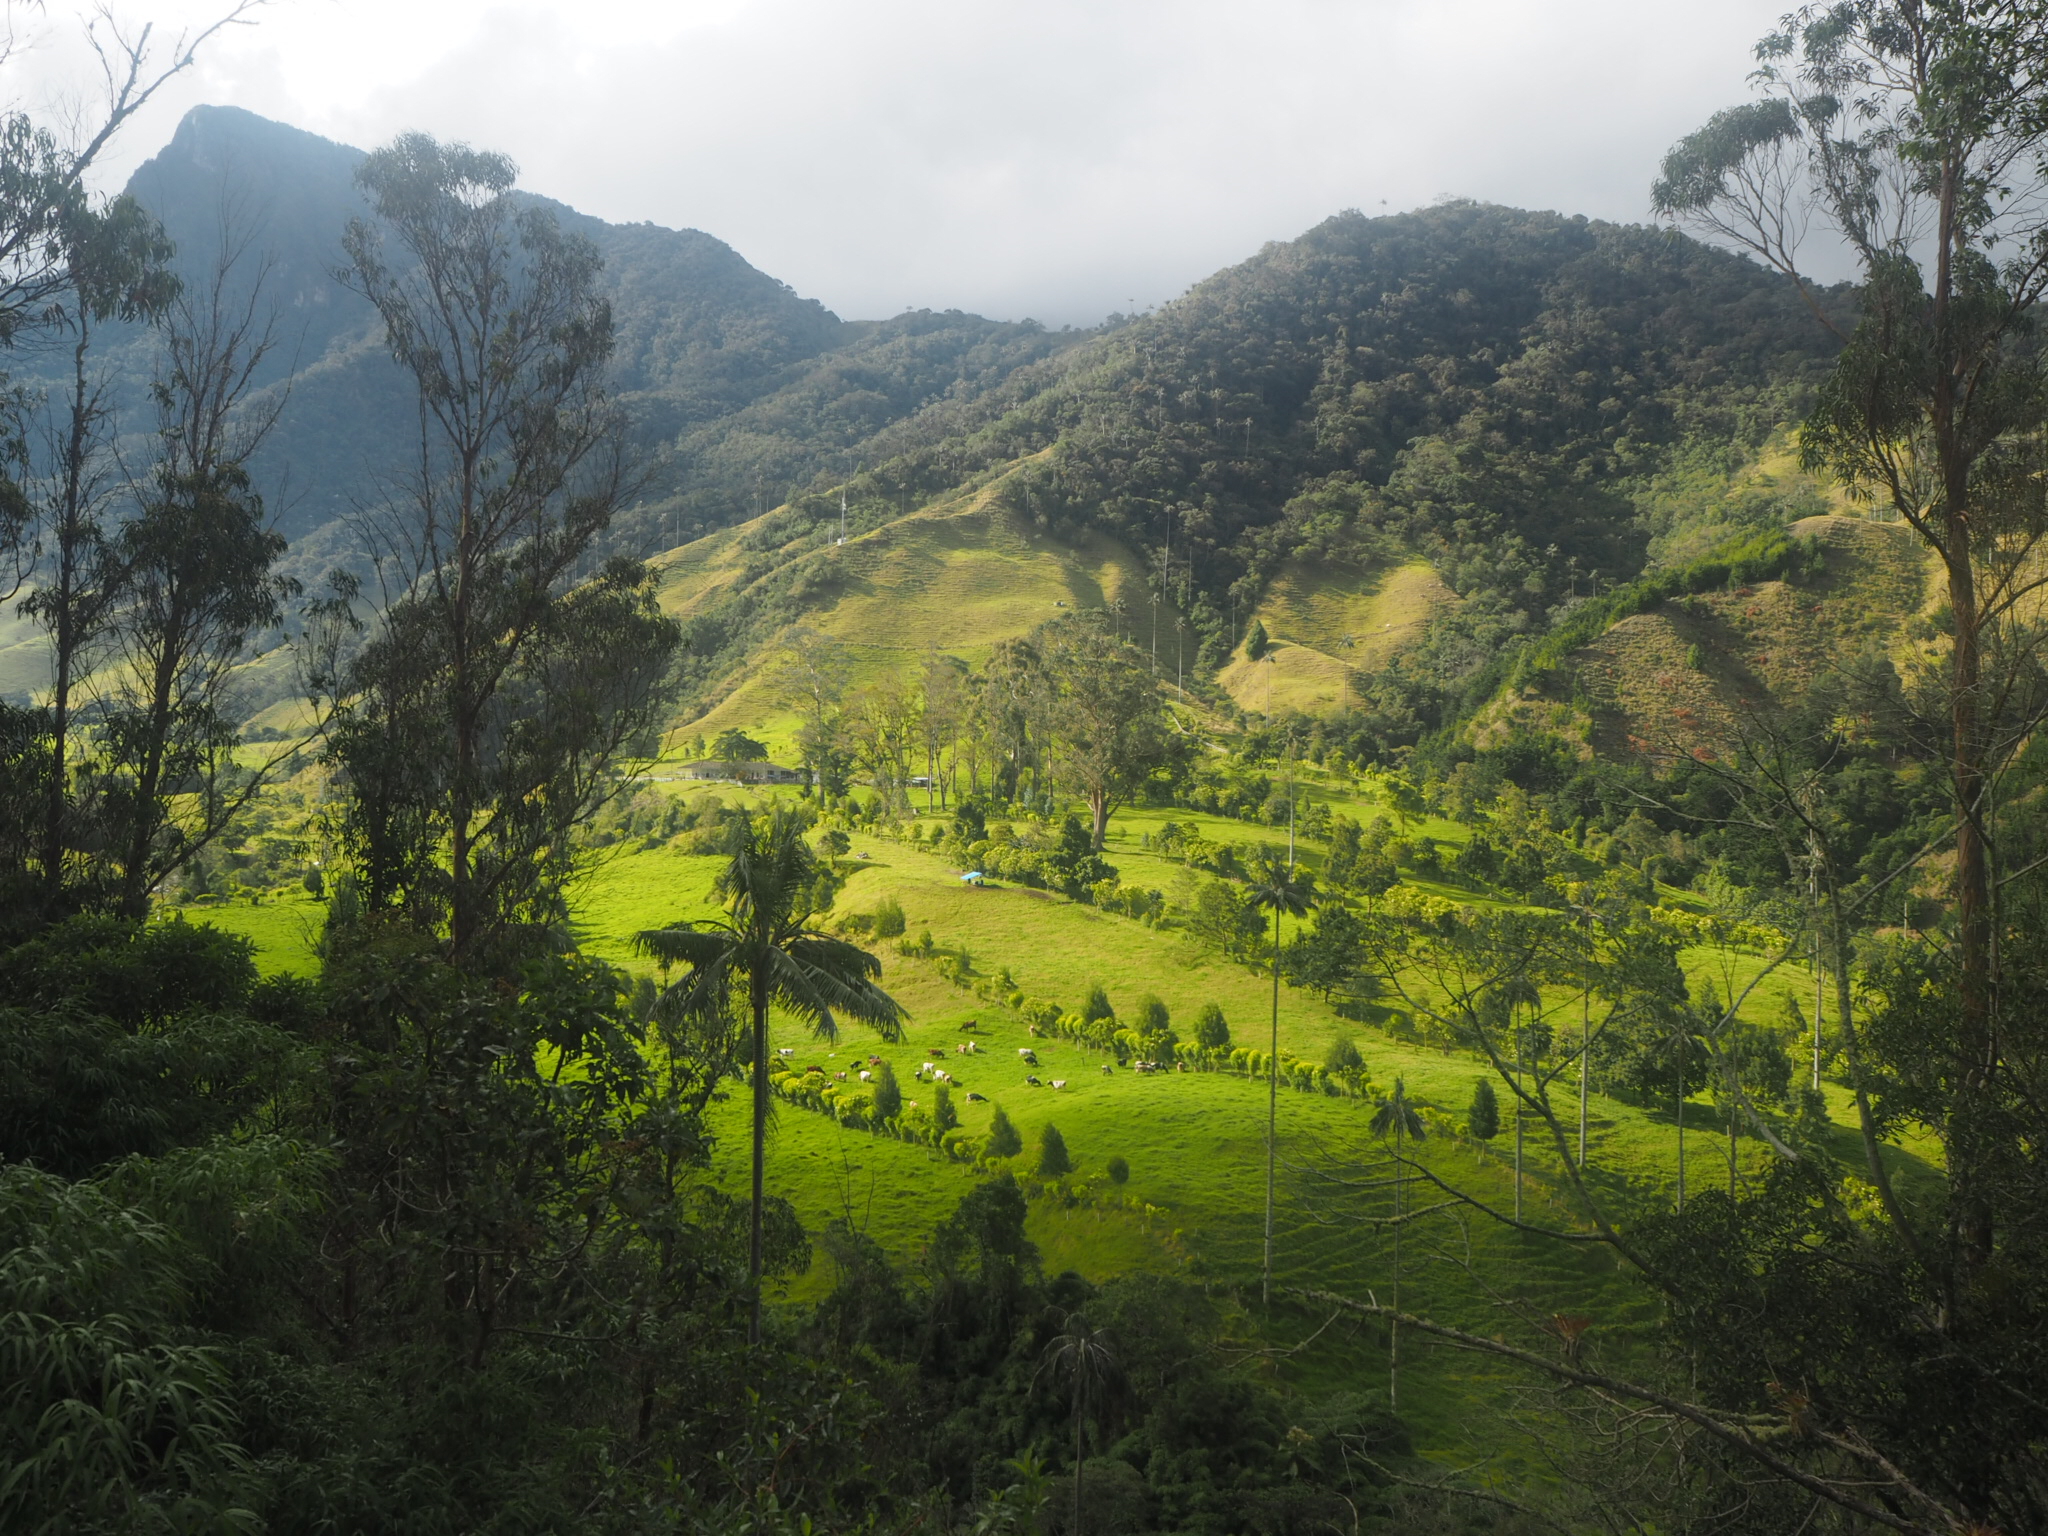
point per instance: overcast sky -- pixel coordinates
(1058, 159)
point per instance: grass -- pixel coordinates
(957, 577)
(1327, 621)
(1194, 1142)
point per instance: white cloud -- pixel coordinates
(1059, 159)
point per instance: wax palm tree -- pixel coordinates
(761, 953)
(1398, 1116)
(1280, 889)
(1084, 1356)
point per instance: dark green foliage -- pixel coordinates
(1151, 1017)
(1212, 1031)
(1118, 1169)
(1256, 644)
(1003, 1140)
(1053, 1161)
(1329, 958)
(888, 1095)
(1096, 1009)
(736, 746)
(944, 1115)
(1482, 1116)
(1536, 370)
(478, 725)
(1342, 1056)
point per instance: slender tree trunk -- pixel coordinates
(760, 1011)
(1272, 1112)
(1518, 1127)
(1394, 1327)
(1585, 1058)
(1098, 809)
(1681, 1133)
(1077, 1467)
(65, 635)
(461, 916)
(149, 774)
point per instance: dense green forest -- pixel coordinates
(1586, 1076)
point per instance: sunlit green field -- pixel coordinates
(1194, 1142)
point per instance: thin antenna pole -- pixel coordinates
(842, 514)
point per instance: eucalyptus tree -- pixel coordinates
(117, 271)
(481, 723)
(194, 589)
(764, 953)
(1276, 887)
(1105, 720)
(1915, 129)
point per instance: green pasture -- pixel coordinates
(1194, 1141)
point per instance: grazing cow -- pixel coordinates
(1023, 1050)
(866, 1076)
(1059, 1082)
(814, 1067)
(1180, 1066)
(785, 1050)
(1034, 1082)
(942, 1076)
(838, 1077)
(936, 1051)
(1108, 1070)
(977, 1098)
(874, 1061)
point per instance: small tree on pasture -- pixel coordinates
(1053, 1161)
(1003, 1140)
(1482, 1119)
(1212, 1031)
(888, 1094)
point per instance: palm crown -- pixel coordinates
(763, 950)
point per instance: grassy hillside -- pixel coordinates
(956, 576)
(1689, 672)
(1329, 623)
(1194, 1142)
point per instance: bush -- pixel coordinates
(1342, 1056)
(1256, 641)
(1482, 1119)
(1152, 1018)
(1119, 1171)
(1003, 1140)
(888, 1096)
(1212, 1032)
(1097, 1008)
(888, 918)
(1053, 1161)
(944, 1115)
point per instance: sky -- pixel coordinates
(1058, 159)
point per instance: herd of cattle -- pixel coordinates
(932, 1072)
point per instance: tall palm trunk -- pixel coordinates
(759, 997)
(1272, 1112)
(1394, 1327)
(1077, 1464)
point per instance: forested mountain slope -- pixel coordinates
(1535, 406)
(739, 390)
